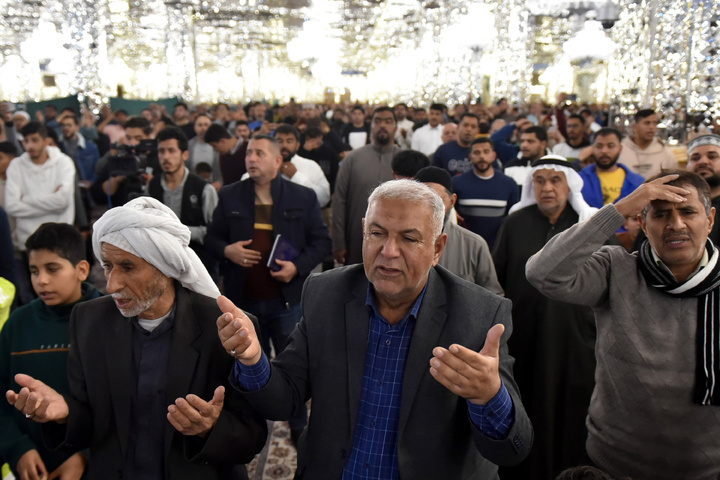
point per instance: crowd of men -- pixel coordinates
(475, 292)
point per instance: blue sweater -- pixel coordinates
(505, 149)
(484, 203)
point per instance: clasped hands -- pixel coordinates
(190, 415)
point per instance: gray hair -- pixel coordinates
(414, 192)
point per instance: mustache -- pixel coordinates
(122, 296)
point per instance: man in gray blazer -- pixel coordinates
(371, 340)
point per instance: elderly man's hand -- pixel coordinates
(287, 271)
(635, 203)
(38, 401)
(194, 416)
(469, 374)
(237, 333)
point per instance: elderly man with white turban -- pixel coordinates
(552, 341)
(147, 372)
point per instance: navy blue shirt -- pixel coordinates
(453, 158)
(151, 351)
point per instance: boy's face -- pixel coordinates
(4, 162)
(55, 280)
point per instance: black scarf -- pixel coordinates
(703, 285)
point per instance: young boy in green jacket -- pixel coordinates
(36, 341)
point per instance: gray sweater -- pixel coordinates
(641, 422)
(467, 255)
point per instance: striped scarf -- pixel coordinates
(703, 285)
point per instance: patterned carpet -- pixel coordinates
(278, 459)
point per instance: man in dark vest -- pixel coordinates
(189, 196)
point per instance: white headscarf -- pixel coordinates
(575, 182)
(23, 114)
(148, 229)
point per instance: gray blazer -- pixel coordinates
(325, 360)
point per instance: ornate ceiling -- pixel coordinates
(657, 51)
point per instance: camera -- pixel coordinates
(131, 161)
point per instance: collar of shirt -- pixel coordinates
(483, 178)
(80, 141)
(703, 262)
(154, 328)
(373, 308)
(382, 149)
(237, 146)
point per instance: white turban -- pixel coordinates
(148, 229)
(22, 113)
(575, 182)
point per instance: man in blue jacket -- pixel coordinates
(249, 216)
(606, 180)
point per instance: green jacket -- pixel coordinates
(35, 341)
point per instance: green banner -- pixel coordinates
(134, 107)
